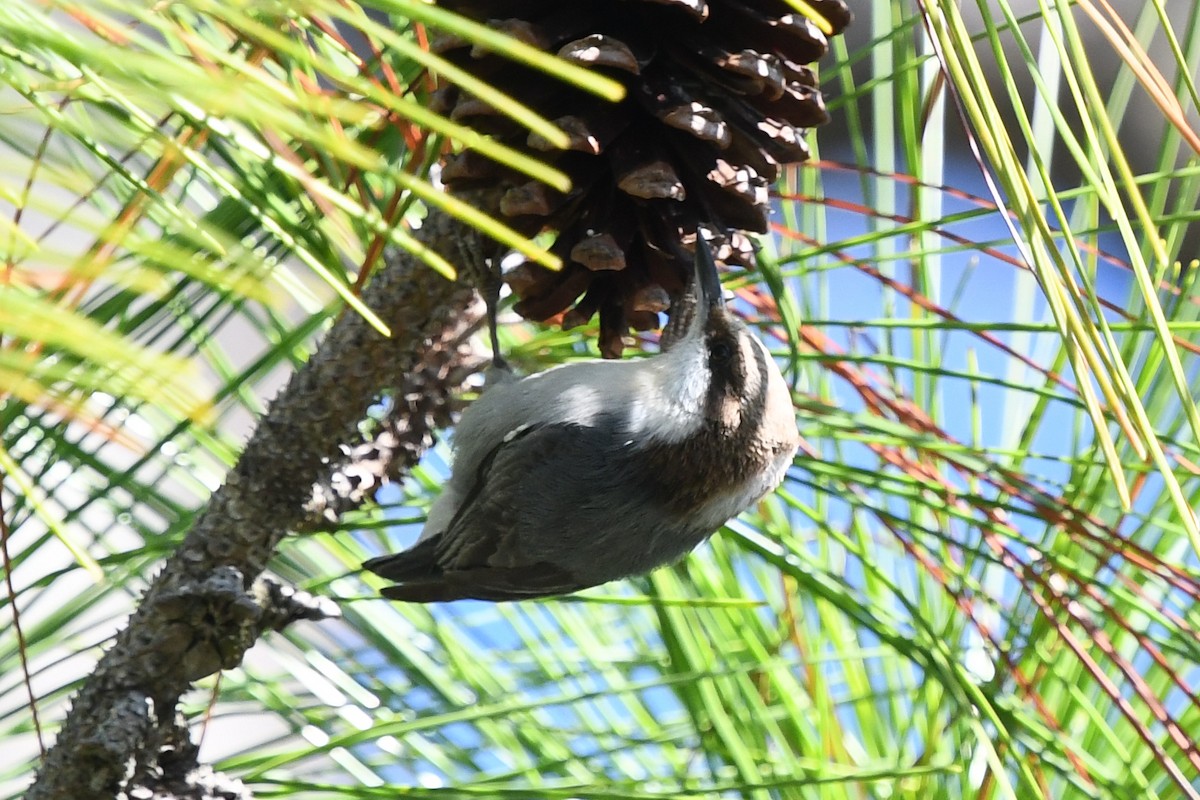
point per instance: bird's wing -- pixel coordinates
(482, 553)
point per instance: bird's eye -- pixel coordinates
(720, 351)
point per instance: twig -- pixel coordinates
(208, 606)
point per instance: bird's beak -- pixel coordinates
(691, 310)
(708, 283)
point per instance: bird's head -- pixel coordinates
(733, 374)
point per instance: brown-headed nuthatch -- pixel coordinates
(599, 470)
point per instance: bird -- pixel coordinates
(599, 470)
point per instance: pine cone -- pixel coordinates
(717, 98)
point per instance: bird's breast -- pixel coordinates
(715, 468)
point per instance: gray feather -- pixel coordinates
(499, 542)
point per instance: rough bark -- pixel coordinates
(420, 405)
(208, 604)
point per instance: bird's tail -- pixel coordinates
(419, 561)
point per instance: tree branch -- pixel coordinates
(207, 607)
